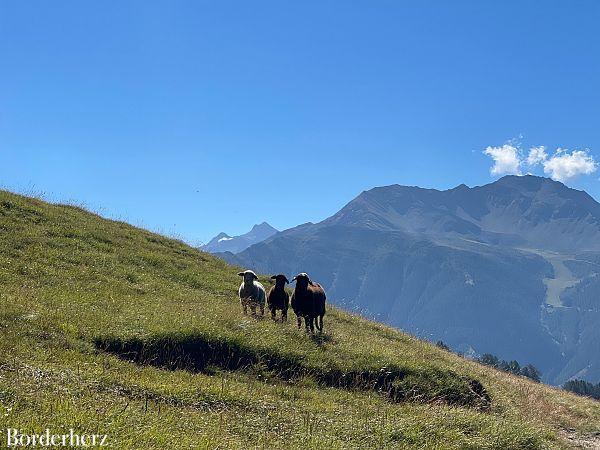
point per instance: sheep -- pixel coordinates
(251, 293)
(278, 298)
(308, 301)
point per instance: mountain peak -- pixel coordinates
(263, 226)
(528, 181)
(235, 244)
(461, 187)
(513, 208)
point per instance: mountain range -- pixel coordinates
(222, 242)
(509, 268)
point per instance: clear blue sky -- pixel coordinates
(198, 117)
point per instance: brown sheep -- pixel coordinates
(308, 302)
(278, 298)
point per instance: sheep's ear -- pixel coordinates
(286, 280)
(274, 277)
(294, 279)
(255, 276)
(241, 274)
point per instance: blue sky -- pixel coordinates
(192, 118)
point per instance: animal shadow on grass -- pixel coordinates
(322, 338)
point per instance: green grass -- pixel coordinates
(112, 329)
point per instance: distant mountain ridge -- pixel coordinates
(511, 267)
(515, 210)
(235, 244)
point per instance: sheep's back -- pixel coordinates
(278, 298)
(302, 303)
(261, 296)
(256, 291)
(319, 299)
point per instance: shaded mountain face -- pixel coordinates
(235, 244)
(509, 268)
(526, 211)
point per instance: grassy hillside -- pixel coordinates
(112, 329)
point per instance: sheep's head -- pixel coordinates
(280, 279)
(248, 275)
(302, 280)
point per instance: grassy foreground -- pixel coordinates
(106, 328)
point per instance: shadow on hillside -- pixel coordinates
(200, 353)
(322, 339)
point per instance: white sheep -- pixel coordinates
(251, 293)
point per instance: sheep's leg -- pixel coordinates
(244, 307)
(284, 315)
(320, 325)
(273, 315)
(262, 310)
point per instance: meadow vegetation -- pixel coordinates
(108, 328)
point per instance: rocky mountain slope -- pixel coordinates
(508, 268)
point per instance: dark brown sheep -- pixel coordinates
(278, 298)
(308, 302)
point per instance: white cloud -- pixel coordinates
(563, 166)
(507, 160)
(537, 155)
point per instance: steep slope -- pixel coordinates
(111, 329)
(225, 243)
(481, 268)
